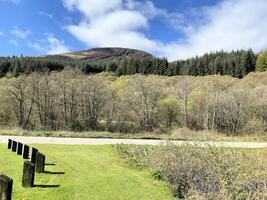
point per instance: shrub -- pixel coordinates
(202, 173)
(261, 63)
(136, 155)
(210, 173)
(254, 126)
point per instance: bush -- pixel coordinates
(261, 63)
(212, 173)
(136, 155)
(203, 173)
(254, 126)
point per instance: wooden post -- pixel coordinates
(6, 184)
(40, 163)
(19, 149)
(33, 156)
(26, 150)
(28, 174)
(14, 146)
(9, 144)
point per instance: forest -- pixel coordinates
(236, 63)
(219, 92)
(71, 100)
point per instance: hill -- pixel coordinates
(107, 54)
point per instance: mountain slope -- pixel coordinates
(107, 54)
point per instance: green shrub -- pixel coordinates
(212, 173)
(254, 126)
(136, 155)
(261, 63)
(202, 173)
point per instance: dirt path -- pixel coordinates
(92, 141)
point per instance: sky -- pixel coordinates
(175, 29)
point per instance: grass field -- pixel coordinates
(83, 172)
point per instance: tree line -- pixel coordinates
(70, 100)
(235, 63)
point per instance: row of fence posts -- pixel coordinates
(36, 164)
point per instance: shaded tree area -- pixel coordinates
(70, 100)
(236, 63)
(15, 66)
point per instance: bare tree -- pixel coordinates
(143, 96)
(182, 91)
(210, 110)
(111, 107)
(93, 99)
(44, 100)
(260, 99)
(22, 100)
(232, 111)
(68, 98)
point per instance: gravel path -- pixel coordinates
(92, 141)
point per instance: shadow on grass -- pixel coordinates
(53, 164)
(49, 172)
(47, 186)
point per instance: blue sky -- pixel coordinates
(167, 28)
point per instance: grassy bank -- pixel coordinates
(179, 134)
(90, 172)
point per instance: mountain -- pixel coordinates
(107, 54)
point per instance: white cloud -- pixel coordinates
(36, 46)
(93, 8)
(43, 13)
(109, 23)
(20, 33)
(1, 33)
(14, 42)
(147, 8)
(231, 24)
(113, 28)
(56, 46)
(51, 45)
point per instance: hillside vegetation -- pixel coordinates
(128, 62)
(261, 64)
(70, 100)
(107, 54)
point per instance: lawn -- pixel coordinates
(83, 172)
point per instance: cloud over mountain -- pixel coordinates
(226, 25)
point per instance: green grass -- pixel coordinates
(261, 154)
(91, 172)
(179, 134)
